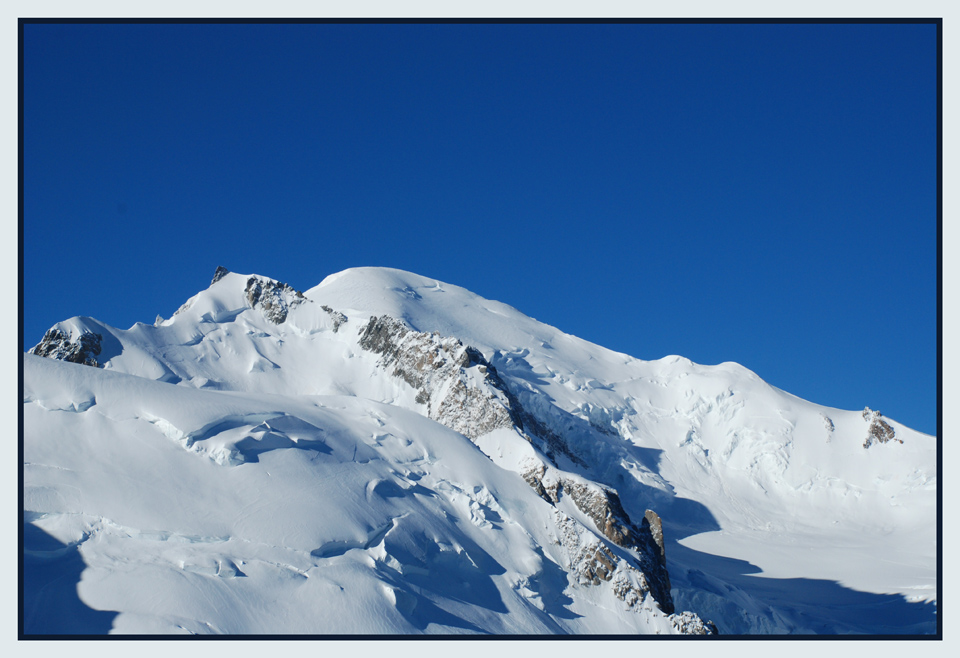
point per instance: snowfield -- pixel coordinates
(389, 454)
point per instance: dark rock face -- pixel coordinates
(219, 274)
(272, 298)
(880, 430)
(651, 521)
(58, 345)
(650, 545)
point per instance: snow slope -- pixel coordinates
(341, 461)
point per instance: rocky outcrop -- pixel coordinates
(473, 403)
(272, 298)
(56, 344)
(415, 357)
(337, 317)
(460, 388)
(603, 507)
(879, 430)
(593, 563)
(690, 624)
(219, 274)
(653, 524)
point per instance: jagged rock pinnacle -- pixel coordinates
(219, 274)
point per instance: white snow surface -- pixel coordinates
(225, 474)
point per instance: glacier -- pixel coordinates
(386, 453)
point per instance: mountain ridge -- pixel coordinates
(599, 436)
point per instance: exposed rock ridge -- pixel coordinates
(272, 298)
(58, 345)
(603, 507)
(460, 388)
(592, 563)
(463, 391)
(651, 521)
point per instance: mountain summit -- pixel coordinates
(388, 453)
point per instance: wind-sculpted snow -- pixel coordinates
(386, 453)
(386, 522)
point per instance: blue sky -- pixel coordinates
(764, 194)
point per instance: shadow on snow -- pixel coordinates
(51, 573)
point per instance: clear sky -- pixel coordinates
(764, 194)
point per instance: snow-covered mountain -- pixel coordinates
(387, 453)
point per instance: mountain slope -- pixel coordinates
(462, 468)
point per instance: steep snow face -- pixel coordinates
(763, 466)
(222, 512)
(600, 491)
